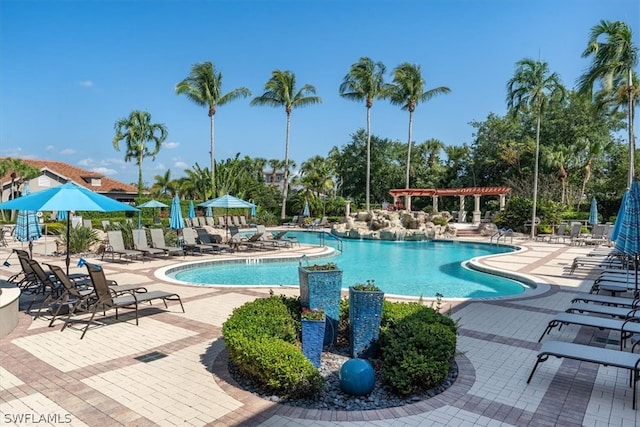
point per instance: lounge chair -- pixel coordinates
(555, 236)
(86, 223)
(574, 233)
(105, 298)
(279, 240)
(191, 245)
(243, 222)
(207, 239)
(293, 223)
(236, 221)
(627, 327)
(73, 297)
(210, 222)
(45, 284)
(252, 242)
(585, 353)
(607, 262)
(607, 300)
(115, 247)
(140, 243)
(605, 310)
(222, 222)
(157, 239)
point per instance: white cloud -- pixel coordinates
(180, 164)
(86, 83)
(12, 152)
(89, 162)
(160, 167)
(68, 151)
(49, 148)
(171, 145)
(104, 171)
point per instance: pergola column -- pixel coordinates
(347, 208)
(408, 203)
(477, 215)
(435, 204)
(461, 211)
(502, 202)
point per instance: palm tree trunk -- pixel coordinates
(213, 160)
(535, 178)
(368, 184)
(140, 184)
(587, 176)
(632, 143)
(407, 198)
(285, 190)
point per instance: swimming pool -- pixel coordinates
(407, 268)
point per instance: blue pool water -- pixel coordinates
(422, 268)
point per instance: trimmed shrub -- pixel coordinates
(417, 345)
(261, 336)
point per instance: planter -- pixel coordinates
(365, 314)
(321, 289)
(313, 339)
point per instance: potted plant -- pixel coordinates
(313, 327)
(365, 314)
(320, 286)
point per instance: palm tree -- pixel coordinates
(530, 89)
(558, 157)
(275, 165)
(204, 87)
(19, 172)
(136, 130)
(612, 60)
(281, 91)
(163, 185)
(407, 90)
(365, 81)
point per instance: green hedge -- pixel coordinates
(261, 336)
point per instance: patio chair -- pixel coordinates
(191, 245)
(613, 301)
(278, 240)
(106, 225)
(236, 221)
(73, 296)
(105, 298)
(157, 239)
(237, 241)
(574, 233)
(597, 262)
(586, 353)
(207, 239)
(86, 223)
(25, 279)
(115, 247)
(45, 284)
(140, 243)
(293, 223)
(210, 222)
(222, 222)
(555, 236)
(243, 222)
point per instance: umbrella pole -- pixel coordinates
(68, 259)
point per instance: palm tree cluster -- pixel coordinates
(550, 134)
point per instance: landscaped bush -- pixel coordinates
(261, 337)
(80, 238)
(417, 344)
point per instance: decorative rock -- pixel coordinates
(357, 377)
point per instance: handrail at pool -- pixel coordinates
(323, 235)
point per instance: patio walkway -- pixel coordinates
(171, 369)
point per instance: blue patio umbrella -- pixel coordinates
(628, 241)
(593, 212)
(192, 210)
(209, 211)
(27, 226)
(618, 224)
(67, 197)
(305, 211)
(150, 204)
(228, 202)
(175, 217)
(61, 216)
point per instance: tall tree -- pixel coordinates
(136, 131)
(365, 81)
(281, 91)
(531, 88)
(614, 57)
(203, 86)
(163, 185)
(408, 90)
(19, 172)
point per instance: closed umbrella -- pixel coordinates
(305, 211)
(175, 217)
(27, 227)
(628, 241)
(209, 211)
(67, 197)
(593, 212)
(61, 216)
(618, 224)
(192, 210)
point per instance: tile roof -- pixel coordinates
(78, 176)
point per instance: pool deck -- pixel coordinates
(46, 374)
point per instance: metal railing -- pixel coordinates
(502, 233)
(324, 236)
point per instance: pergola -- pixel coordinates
(476, 192)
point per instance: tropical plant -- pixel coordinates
(407, 90)
(312, 314)
(365, 81)
(330, 266)
(80, 238)
(19, 172)
(164, 185)
(281, 91)
(531, 89)
(136, 131)
(370, 285)
(613, 61)
(203, 86)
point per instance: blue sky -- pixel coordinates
(70, 69)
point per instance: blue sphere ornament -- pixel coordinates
(357, 377)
